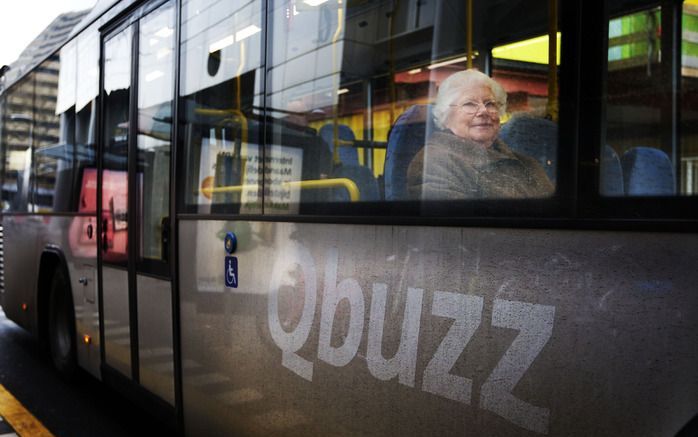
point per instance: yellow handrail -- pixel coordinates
(313, 184)
(228, 189)
(209, 112)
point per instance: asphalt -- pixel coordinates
(85, 407)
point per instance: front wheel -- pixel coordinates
(61, 326)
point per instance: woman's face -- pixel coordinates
(478, 125)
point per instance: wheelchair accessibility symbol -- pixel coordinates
(231, 272)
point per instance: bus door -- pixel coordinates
(135, 284)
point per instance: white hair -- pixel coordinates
(449, 92)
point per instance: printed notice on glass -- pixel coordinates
(282, 165)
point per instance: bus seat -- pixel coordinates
(610, 173)
(535, 137)
(362, 177)
(347, 154)
(406, 137)
(647, 171)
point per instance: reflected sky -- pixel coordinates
(21, 22)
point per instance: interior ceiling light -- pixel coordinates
(221, 43)
(246, 32)
(534, 50)
(450, 61)
(164, 32)
(153, 75)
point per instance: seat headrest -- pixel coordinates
(347, 153)
(535, 137)
(647, 171)
(407, 137)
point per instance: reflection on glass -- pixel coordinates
(636, 159)
(117, 84)
(689, 96)
(86, 107)
(352, 92)
(18, 139)
(155, 92)
(341, 77)
(53, 156)
(220, 93)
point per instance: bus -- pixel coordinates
(206, 205)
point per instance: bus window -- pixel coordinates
(4, 205)
(689, 99)
(18, 137)
(221, 82)
(356, 86)
(86, 108)
(648, 151)
(53, 153)
(155, 80)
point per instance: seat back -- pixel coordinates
(407, 137)
(610, 173)
(347, 154)
(535, 137)
(647, 171)
(362, 177)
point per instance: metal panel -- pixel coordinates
(117, 330)
(155, 336)
(390, 330)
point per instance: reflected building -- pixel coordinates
(29, 114)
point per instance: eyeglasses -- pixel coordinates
(471, 107)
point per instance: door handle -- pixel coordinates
(105, 242)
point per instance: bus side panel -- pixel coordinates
(26, 239)
(22, 236)
(389, 330)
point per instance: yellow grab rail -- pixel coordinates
(316, 184)
(313, 184)
(228, 189)
(210, 112)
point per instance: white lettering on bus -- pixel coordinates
(347, 289)
(404, 362)
(466, 310)
(291, 342)
(534, 323)
(535, 326)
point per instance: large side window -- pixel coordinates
(64, 152)
(18, 139)
(3, 203)
(221, 82)
(155, 90)
(86, 107)
(650, 143)
(689, 99)
(409, 101)
(366, 102)
(53, 154)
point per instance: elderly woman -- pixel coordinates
(465, 159)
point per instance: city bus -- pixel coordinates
(206, 206)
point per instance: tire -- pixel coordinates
(61, 326)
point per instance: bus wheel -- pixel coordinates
(61, 326)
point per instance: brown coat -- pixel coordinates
(450, 167)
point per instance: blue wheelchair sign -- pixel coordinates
(231, 272)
